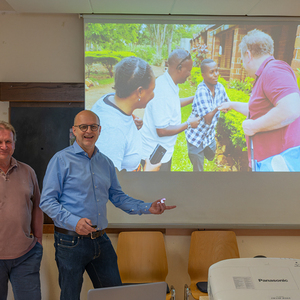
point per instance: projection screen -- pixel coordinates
(227, 194)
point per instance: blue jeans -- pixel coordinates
(24, 275)
(74, 255)
(196, 155)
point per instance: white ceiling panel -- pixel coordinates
(132, 6)
(276, 8)
(50, 6)
(158, 7)
(4, 6)
(213, 7)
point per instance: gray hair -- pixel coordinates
(258, 43)
(8, 126)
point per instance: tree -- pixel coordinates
(110, 36)
(159, 34)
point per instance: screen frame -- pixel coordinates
(269, 200)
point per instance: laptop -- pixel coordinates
(144, 291)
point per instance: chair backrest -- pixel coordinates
(142, 257)
(207, 248)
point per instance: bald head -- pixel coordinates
(178, 56)
(86, 114)
(86, 136)
(180, 65)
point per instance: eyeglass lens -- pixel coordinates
(84, 127)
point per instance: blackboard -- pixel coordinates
(41, 132)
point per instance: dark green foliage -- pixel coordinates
(230, 124)
(245, 86)
(196, 76)
(223, 82)
(107, 58)
(111, 36)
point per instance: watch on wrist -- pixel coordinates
(189, 125)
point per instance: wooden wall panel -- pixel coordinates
(41, 92)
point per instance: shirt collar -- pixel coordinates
(78, 149)
(204, 84)
(13, 164)
(263, 65)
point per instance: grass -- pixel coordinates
(102, 81)
(180, 159)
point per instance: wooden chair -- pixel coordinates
(142, 258)
(207, 248)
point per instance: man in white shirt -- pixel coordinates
(162, 118)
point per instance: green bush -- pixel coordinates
(196, 76)
(107, 58)
(230, 124)
(156, 60)
(223, 82)
(245, 86)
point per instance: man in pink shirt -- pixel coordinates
(21, 223)
(274, 107)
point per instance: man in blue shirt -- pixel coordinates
(78, 183)
(209, 96)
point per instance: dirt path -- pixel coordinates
(95, 93)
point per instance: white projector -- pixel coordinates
(255, 279)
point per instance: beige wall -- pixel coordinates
(4, 110)
(41, 48)
(49, 48)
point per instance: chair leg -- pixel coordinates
(187, 292)
(172, 291)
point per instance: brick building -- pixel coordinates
(223, 41)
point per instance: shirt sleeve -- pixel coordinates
(52, 191)
(37, 213)
(278, 82)
(161, 111)
(123, 201)
(201, 102)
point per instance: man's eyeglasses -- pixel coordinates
(184, 59)
(84, 127)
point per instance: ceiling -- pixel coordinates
(162, 7)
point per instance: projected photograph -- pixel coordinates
(182, 97)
